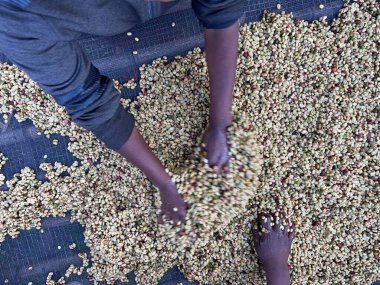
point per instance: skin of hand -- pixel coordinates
(216, 147)
(173, 206)
(221, 56)
(273, 248)
(137, 152)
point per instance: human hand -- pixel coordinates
(273, 243)
(173, 206)
(216, 147)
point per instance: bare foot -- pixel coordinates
(273, 240)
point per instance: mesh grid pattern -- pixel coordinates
(185, 35)
(23, 147)
(114, 57)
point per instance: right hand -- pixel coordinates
(273, 246)
(173, 206)
(216, 147)
(136, 151)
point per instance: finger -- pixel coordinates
(266, 222)
(218, 165)
(174, 218)
(224, 159)
(212, 160)
(181, 233)
(182, 216)
(277, 222)
(256, 236)
(284, 225)
(216, 168)
(179, 223)
(226, 167)
(264, 235)
(175, 215)
(292, 233)
(160, 218)
(179, 216)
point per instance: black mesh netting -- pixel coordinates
(114, 57)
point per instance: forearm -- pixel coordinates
(221, 57)
(137, 152)
(107, 119)
(279, 276)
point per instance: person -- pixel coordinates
(40, 37)
(272, 241)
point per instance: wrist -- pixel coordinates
(277, 274)
(221, 123)
(218, 126)
(283, 266)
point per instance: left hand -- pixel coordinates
(173, 206)
(215, 140)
